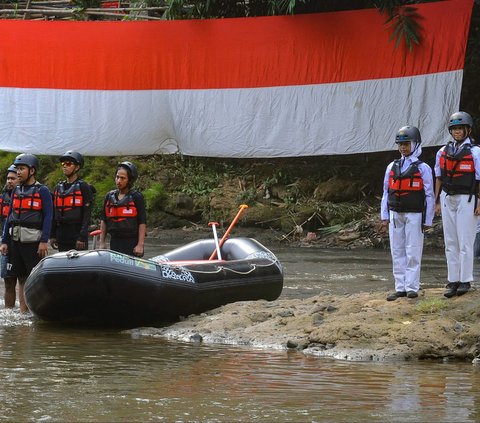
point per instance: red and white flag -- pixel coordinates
(329, 83)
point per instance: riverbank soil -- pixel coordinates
(351, 327)
(360, 326)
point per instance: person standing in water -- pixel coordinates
(27, 228)
(124, 216)
(10, 294)
(407, 209)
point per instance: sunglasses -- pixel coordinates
(67, 163)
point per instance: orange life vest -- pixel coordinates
(405, 189)
(121, 215)
(457, 170)
(5, 200)
(68, 203)
(27, 206)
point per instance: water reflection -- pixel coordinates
(343, 272)
(53, 373)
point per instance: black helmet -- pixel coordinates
(408, 133)
(460, 118)
(11, 168)
(131, 170)
(73, 156)
(27, 159)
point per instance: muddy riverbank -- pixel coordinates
(353, 326)
(361, 326)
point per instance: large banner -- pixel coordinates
(304, 85)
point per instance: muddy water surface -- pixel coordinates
(53, 373)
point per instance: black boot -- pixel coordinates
(463, 288)
(451, 289)
(395, 295)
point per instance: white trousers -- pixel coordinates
(406, 246)
(459, 230)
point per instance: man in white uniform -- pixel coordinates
(457, 171)
(407, 209)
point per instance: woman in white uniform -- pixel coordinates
(407, 209)
(457, 171)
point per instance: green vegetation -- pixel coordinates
(154, 196)
(431, 305)
(281, 193)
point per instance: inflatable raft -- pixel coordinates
(102, 286)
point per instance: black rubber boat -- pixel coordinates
(105, 287)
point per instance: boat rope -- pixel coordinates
(219, 268)
(185, 267)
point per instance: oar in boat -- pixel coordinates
(225, 236)
(215, 237)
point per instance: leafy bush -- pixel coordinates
(155, 195)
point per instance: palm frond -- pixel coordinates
(406, 26)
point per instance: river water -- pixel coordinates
(55, 373)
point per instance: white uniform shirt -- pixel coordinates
(426, 174)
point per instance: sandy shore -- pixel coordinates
(352, 327)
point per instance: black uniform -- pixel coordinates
(72, 211)
(122, 218)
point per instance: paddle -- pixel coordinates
(215, 237)
(95, 234)
(224, 237)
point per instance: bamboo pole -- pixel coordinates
(34, 8)
(110, 12)
(27, 6)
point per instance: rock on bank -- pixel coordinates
(352, 327)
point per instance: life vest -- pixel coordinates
(405, 189)
(68, 202)
(5, 200)
(27, 206)
(457, 170)
(121, 215)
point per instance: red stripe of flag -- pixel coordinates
(227, 53)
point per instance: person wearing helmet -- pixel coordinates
(72, 200)
(124, 216)
(407, 210)
(457, 172)
(5, 201)
(28, 224)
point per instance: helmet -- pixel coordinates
(131, 170)
(11, 168)
(408, 133)
(28, 160)
(73, 156)
(460, 118)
